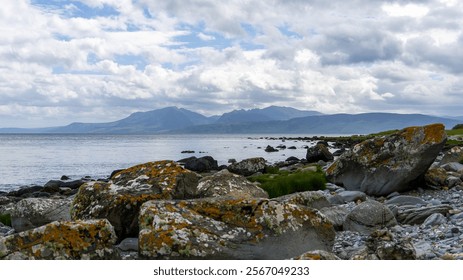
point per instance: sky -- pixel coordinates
(100, 60)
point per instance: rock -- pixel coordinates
(270, 149)
(292, 160)
(455, 154)
(34, 212)
(25, 191)
(128, 244)
(338, 152)
(203, 164)
(436, 177)
(119, 200)
(60, 184)
(65, 178)
(336, 214)
(368, 217)
(434, 220)
(248, 167)
(5, 230)
(224, 183)
(422, 248)
(390, 163)
(419, 214)
(318, 152)
(317, 255)
(219, 228)
(91, 239)
(386, 246)
(405, 200)
(349, 196)
(187, 152)
(313, 199)
(453, 167)
(292, 148)
(281, 147)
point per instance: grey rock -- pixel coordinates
(224, 183)
(454, 167)
(388, 164)
(337, 214)
(422, 249)
(419, 214)
(434, 220)
(349, 196)
(455, 154)
(128, 244)
(34, 212)
(5, 230)
(203, 164)
(312, 199)
(336, 199)
(248, 167)
(368, 217)
(453, 181)
(406, 200)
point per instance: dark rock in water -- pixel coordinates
(203, 164)
(318, 152)
(368, 217)
(188, 152)
(270, 149)
(115, 172)
(292, 148)
(25, 191)
(248, 167)
(91, 239)
(65, 178)
(281, 147)
(51, 189)
(293, 159)
(390, 163)
(220, 228)
(60, 184)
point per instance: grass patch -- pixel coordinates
(454, 132)
(283, 182)
(5, 219)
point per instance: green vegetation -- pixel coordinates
(5, 219)
(454, 132)
(283, 182)
(458, 126)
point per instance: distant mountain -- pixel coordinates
(156, 121)
(268, 120)
(272, 113)
(327, 124)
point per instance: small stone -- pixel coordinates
(434, 220)
(455, 230)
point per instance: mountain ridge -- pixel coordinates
(273, 119)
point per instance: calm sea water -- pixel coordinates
(35, 159)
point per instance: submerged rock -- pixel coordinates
(390, 163)
(203, 164)
(91, 239)
(120, 199)
(220, 228)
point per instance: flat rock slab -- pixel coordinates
(418, 215)
(92, 239)
(220, 228)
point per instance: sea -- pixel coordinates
(34, 159)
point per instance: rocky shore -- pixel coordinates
(398, 196)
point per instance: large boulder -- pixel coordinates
(319, 152)
(221, 228)
(226, 183)
(248, 166)
(120, 199)
(30, 213)
(390, 163)
(91, 239)
(368, 217)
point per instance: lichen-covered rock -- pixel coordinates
(368, 217)
(455, 154)
(91, 239)
(317, 255)
(318, 152)
(119, 200)
(436, 177)
(383, 245)
(387, 164)
(229, 184)
(312, 199)
(248, 167)
(34, 212)
(220, 228)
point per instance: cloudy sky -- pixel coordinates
(100, 60)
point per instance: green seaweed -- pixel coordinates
(5, 219)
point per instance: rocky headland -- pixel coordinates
(394, 196)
